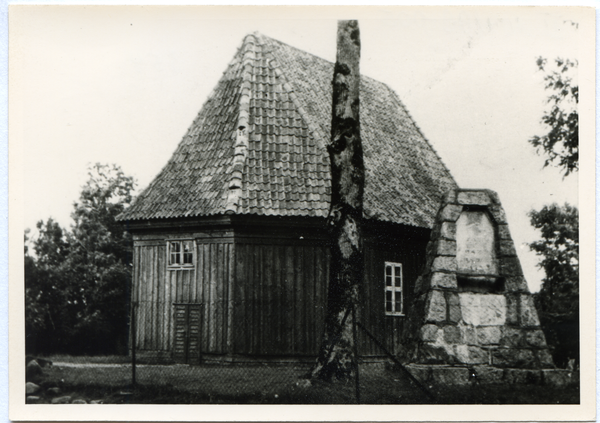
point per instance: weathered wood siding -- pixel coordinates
(264, 295)
(151, 294)
(279, 293)
(157, 287)
(387, 329)
(213, 289)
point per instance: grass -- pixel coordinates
(181, 384)
(508, 394)
(258, 384)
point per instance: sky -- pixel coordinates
(122, 85)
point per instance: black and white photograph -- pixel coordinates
(301, 206)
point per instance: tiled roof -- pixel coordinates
(278, 164)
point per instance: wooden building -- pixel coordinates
(231, 256)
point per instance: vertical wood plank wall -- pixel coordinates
(151, 296)
(212, 289)
(262, 298)
(387, 329)
(157, 287)
(279, 294)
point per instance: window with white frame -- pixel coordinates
(181, 253)
(394, 298)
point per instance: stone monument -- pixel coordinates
(474, 311)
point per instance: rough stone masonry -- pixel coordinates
(473, 305)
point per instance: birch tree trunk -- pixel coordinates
(337, 356)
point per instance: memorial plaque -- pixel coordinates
(475, 244)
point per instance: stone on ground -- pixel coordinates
(32, 399)
(62, 400)
(32, 370)
(31, 388)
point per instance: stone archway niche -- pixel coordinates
(475, 244)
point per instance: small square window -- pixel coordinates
(394, 298)
(181, 253)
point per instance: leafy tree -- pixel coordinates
(77, 286)
(558, 299)
(559, 249)
(561, 143)
(50, 247)
(104, 196)
(100, 259)
(36, 308)
(43, 293)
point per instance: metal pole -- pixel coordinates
(395, 360)
(133, 337)
(354, 335)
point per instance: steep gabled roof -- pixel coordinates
(258, 147)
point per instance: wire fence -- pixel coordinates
(144, 377)
(221, 384)
(383, 379)
(180, 377)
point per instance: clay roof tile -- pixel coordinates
(286, 167)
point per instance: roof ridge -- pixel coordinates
(287, 86)
(258, 146)
(264, 38)
(248, 55)
(201, 115)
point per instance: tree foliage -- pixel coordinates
(77, 283)
(558, 299)
(559, 252)
(561, 143)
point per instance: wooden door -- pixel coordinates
(186, 345)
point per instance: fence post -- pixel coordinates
(133, 338)
(395, 360)
(354, 335)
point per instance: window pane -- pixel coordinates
(187, 246)
(399, 300)
(174, 258)
(175, 247)
(393, 288)
(187, 258)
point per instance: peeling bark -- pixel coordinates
(337, 357)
